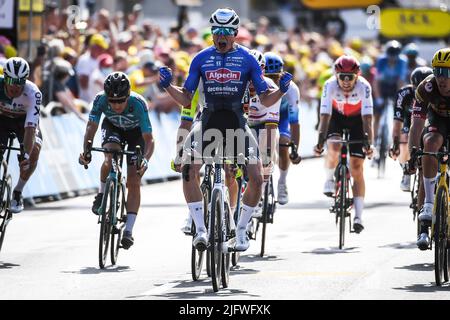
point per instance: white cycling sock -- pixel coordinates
(246, 215)
(102, 187)
(358, 203)
(283, 176)
(196, 210)
(131, 219)
(428, 184)
(329, 174)
(20, 185)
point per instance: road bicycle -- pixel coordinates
(441, 218)
(343, 200)
(6, 185)
(112, 214)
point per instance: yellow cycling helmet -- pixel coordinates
(441, 58)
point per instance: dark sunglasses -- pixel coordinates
(441, 72)
(15, 82)
(346, 76)
(117, 101)
(223, 31)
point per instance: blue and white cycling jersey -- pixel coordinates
(391, 74)
(289, 110)
(135, 114)
(225, 76)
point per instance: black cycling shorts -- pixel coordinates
(437, 123)
(16, 125)
(113, 134)
(354, 124)
(222, 128)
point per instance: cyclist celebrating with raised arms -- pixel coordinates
(225, 70)
(20, 103)
(433, 105)
(126, 120)
(346, 104)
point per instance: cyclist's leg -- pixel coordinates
(433, 140)
(133, 138)
(111, 139)
(332, 156)
(17, 126)
(191, 181)
(357, 157)
(284, 161)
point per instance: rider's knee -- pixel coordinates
(432, 141)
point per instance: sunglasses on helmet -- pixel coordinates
(15, 82)
(222, 31)
(346, 76)
(441, 72)
(117, 101)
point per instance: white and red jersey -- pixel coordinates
(357, 102)
(259, 114)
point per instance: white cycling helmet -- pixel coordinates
(16, 68)
(259, 57)
(225, 18)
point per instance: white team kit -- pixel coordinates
(28, 105)
(259, 114)
(357, 102)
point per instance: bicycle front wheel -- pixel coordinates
(215, 232)
(226, 257)
(105, 225)
(440, 237)
(342, 205)
(119, 223)
(5, 213)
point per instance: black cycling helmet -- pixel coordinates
(393, 48)
(419, 74)
(117, 85)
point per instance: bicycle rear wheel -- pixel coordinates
(440, 237)
(342, 205)
(105, 225)
(5, 213)
(119, 226)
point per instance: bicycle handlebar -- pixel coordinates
(137, 152)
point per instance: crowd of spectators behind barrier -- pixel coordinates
(80, 55)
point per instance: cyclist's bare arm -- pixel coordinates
(28, 139)
(324, 123)
(180, 95)
(149, 145)
(270, 97)
(295, 133)
(91, 129)
(367, 127)
(397, 131)
(416, 132)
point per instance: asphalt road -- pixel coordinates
(50, 252)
